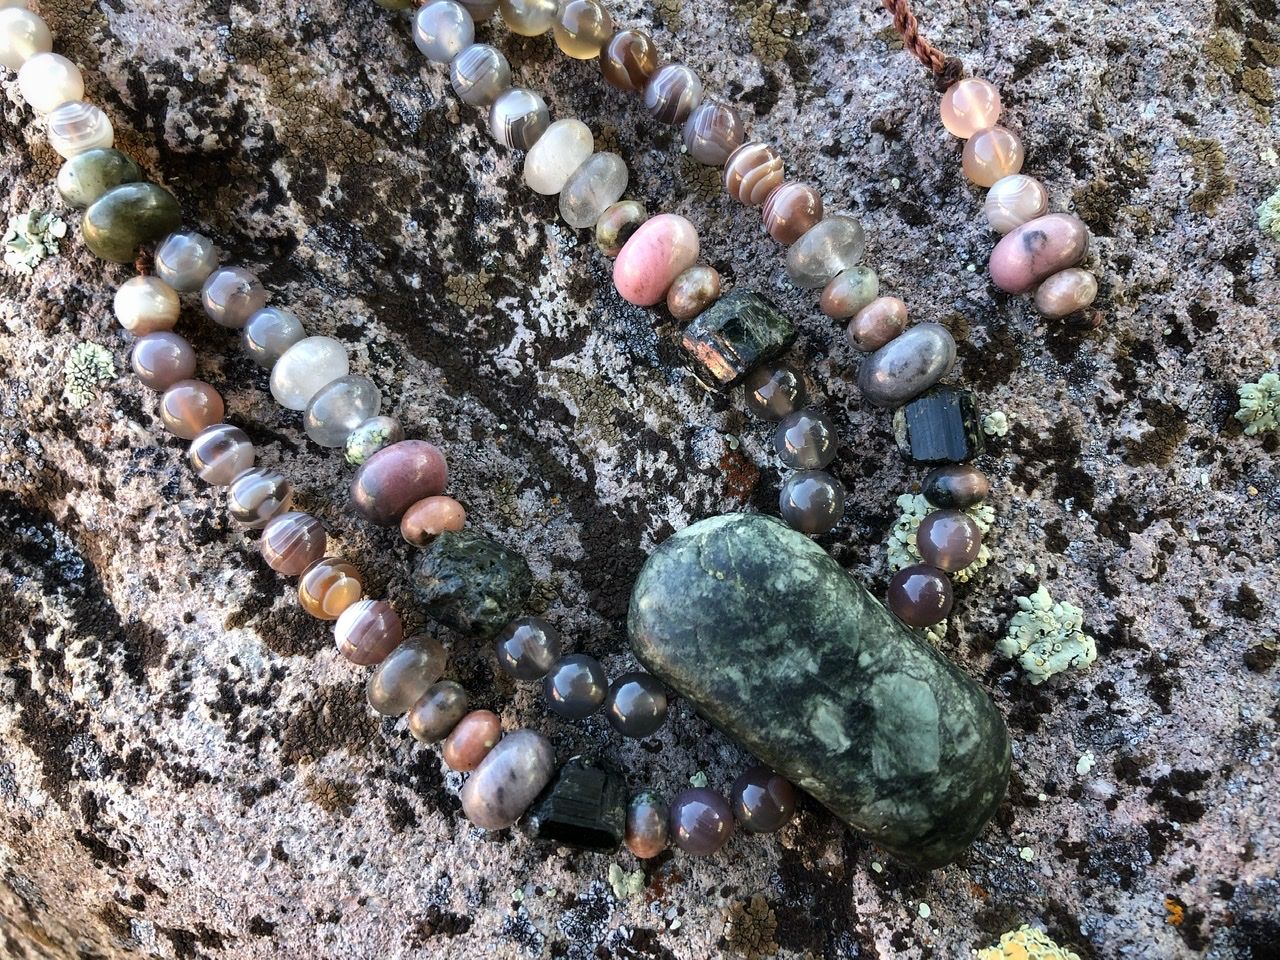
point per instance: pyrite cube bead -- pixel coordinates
(585, 806)
(471, 584)
(735, 335)
(127, 216)
(941, 426)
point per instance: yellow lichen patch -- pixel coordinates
(1026, 943)
(1175, 912)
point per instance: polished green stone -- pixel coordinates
(471, 584)
(735, 335)
(779, 647)
(127, 216)
(87, 176)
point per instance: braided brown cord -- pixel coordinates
(946, 70)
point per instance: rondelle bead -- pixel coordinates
(527, 648)
(23, 34)
(479, 74)
(636, 704)
(1066, 292)
(75, 127)
(268, 333)
(370, 437)
(833, 245)
(762, 801)
(395, 478)
(991, 155)
(812, 501)
(629, 60)
(400, 681)
(907, 365)
(592, 188)
(660, 250)
(48, 80)
(701, 821)
(575, 686)
(220, 453)
(146, 304)
(529, 18)
(617, 224)
(791, 211)
(646, 831)
(806, 440)
(774, 390)
(672, 93)
(189, 406)
(558, 152)
(498, 793)
(518, 118)
(970, 105)
(712, 132)
(919, 595)
(328, 587)
(849, 291)
(87, 176)
(480, 10)
(948, 540)
(184, 260)
(693, 291)
(367, 631)
(582, 28)
(442, 29)
(339, 407)
(1014, 200)
(956, 486)
(304, 368)
(752, 173)
(877, 323)
(430, 517)
(162, 359)
(127, 216)
(258, 495)
(471, 740)
(437, 712)
(1037, 250)
(292, 542)
(231, 295)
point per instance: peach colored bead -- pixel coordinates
(991, 155)
(189, 406)
(471, 740)
(328, 587)
(1066, 292)
(693, 291)
(1037, 250)
(791, 210)
(658, 252)
(877, 323)
(970, 105)
(430, 517)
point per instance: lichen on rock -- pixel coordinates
(1260, 404)
(1047, 638)
(902, 535)
(88, 365)
(1026, 943)
(32, 237)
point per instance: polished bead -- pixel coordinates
(1064, 293)
(939, 426)
(396, 4)
(701, 821)
(646, 830)
(617, 225)
(791, 211)
(146, 304)
(508, 779)
(220, 453)
(558, 153)
(479, 74)
(734, 335)
(258, 495)
(370, 437)
(518, 118)
(585, 807)
(437, 712)
(877, 323)
(529, 18)
(774, 390)
(292, 542)
(268, 333)
(185, 260)
(693, 291)
(471, 584)
(161, 359)
(1037, 250)
(812, 501)
(442, 29)
(833, 245)
(328, 587)
(907, 365)
(339, 407)
(762, 801)
(87, 176)
(231, 295)
(527, 648)
(956, 486)
(672, 93)
(582, 28)
(661, 249)
(1014, 200)
(367, 631)
(712, 132)
(471, 740)
(304, 368)
(76, 127)
(991, 155)
(430, 517)
(919, 595)
(849, 291)
(948, 540)
(752, 173)
(395, 478)
(575, 686)
(970, 105)
(189, 406)
(480, 10)
(636, 704)
(592, 188)
(405, 675)
(127, 216)
(806, 440)
(23, 34)
(48, 80)
(629, 60)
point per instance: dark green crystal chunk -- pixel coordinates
(941, 426)
(127, 216)
(472, 584)
(736, 334)
(784, 651)
(87, 176)
(584, 806)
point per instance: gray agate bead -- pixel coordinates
(806, 440)
(575, 686)
(834, 245)
(762, 801)
(257, 495)
(339, 407)
(712, 132)
(231, 295)
(672, 93)
(636, 705)
(405, 675)
(774, 390)
(518, 118)
(700, 821)
(812, 501)
(442, 29)
(479, 73)
(437, 712)
(268, 333)
(370, 437)
(908, 365)
(185, 260)
(592, 188)
(220, 453)
(527, 648)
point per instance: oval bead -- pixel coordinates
(949, 540)
(646, 825)
(629, 60)
(497, 794)
(834, 245)
(806, 440)
(146, 304)
(257, 495)
(1014, 200)
(919, 596)
(442, 29)
(529, 18)
(328, 587)
(339, 407)
(367, 631)
(470, 741)
(430, 517)
(659, 251)
(812, 501)
(304, 368)
(87, 176)
(617, 225)
(185, 259)
(693, 291)
(752, 173)
(368, 438)
(268, 333)
(712, 132)
(701, 821)
(956, 486)
(849, 291)
(970, 105)
(1064, 293)
(527, 648)
(877, 323)
(395, 478)
(479, 74)
(592, 188)
(127, 216)
(763, 802)
(636, 705)
(231, 295)
(162, 359)
(791, 211)
(189, 406)
(1037, 250)
(437, 712)
(48, 80)
(991, 155)
(292, 542)
(575, 686)
(405, 675)
(556, 155)
(672, 93)
(582, 28)
(907, 366)
(76, 127)
(220, 453)
(518, 118)
(23, 34)
(774, 390)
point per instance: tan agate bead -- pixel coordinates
(877, 323)
(189, 406)
(991, 155)
(292, 542)
(629, 60)
(791, 211)
(328, 587)
(970, 105)
(1064, 293)
(693, 291)
(582, 28)
(752, 172)
(471, 740)
(430, 517)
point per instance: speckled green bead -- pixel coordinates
(87, 176)
(126, 217)
(370, 437)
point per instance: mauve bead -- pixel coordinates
(161, 359)
(712, 132)
(774, 390)
(877, 323)
(825, 250)
(527, 647)
(636, 705)
(806, 440)
(762, 801)
(269, 333)
(508, 780)
(367, 631)
(575, 686)
(1064, 293)
(919, 595)
(693, 291)
(292, 542)
(646, 831)
(811, 501)
(700, 822)
(437, 712)
(231, 295)
(791, 211)
(970, 105)
(220, 453)
(629, 60)
(752, 173)
(956, 486)
(430, 517)
(189, 406)
(948, 540)
(395, 478)
(1014, 200)
(991, 155)
(672, 93)
(257, 495)
(907, 365)
(328, 587)
(582, 28)
(1037, 250)
(471, 740)
(617, 225)
(399, 681)
(659, 251)
(849, 291)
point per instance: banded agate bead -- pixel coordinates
(146, 304)
(220, 453)
(775, 390)
(367, 631)
(970, 105)
(23, 34)
(763, 802)
(527, 648)
(582, 28)
(629, 60)
(231, 295)
(834, 245)
(305, 368)
(127, 216)
(701, 821)
(658, 252)
(919, 596)
(76, 127)
(479, 74)
(617, 225)
(500, 790)
(557, 154)
(991, 155)
(292, 542)
(404, 677)
(518, 118)
(328, 587)
(877, 323)
(672, 93)
(752, 173)
(441, 29)
(470, 741)
(528, 18)
(87, 176)
(339, 407)
(430, 517)
(1064, 293)
(806, 440)
(184, 260)
(811, 501)
(162, 359)
(693, 291)
(712, 132)
(949, 540)
(646, 830)
(437, 711)
(791, 211)
(395, 478)
(849, 291)
(592, 188)
(636, 705)
(257, 495)
(48, 80)
(268, 333)
(1037, 250)
(1014, 200)
(575, 686)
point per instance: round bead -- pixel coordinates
(907, 365)
(636, 704)
(371, 436)
(508, 780)
(367, 631)
(471, 740)
(479, 74)
(592, 188)
(430, 517)
(268, 333)
(339, 407)
(304, 368)
(791, 211)
(672, 93)
(762, 801)
(1037, 250)
(806, 440)
(701, 821)
(23, 34)
(712, 132)
(127, 216)
(480, 10)
(629, 60)
(437, 712)
(395, 478)
(231, 295)
(558, 152)
(220, 453)
(849, 291)
(693, 291)
(1014, 200)
(442, 29)
(185, 260)
(518, 118)
(752, 173)
(617, 224)
(189, 406)
(1064, 293)
(405, 675)
(948, 540)
(582, 28)
(956, 486)
(529, 18)
(49, 80)
(660, 250)
(575, 686)
(85, 177)
(146, 304)
(833, 245)
(812, 501)
(257, 495)
(774, 390)
(76, 126)
(527, 648)
(970, 105)
(328, 587)
(162, 359)
(919, 596)
(991, 155)
(292, 542)
(646, 830)
(877, 323)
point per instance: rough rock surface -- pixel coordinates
(187, 769)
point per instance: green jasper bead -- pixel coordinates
(126, 217)
(87, 176)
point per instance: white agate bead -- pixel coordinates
(306, 367)
(146, 304)
(22, 35)
(77, 126)
(49, 80)
(558, 152)
(1014, 200)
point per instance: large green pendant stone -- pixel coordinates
(788, 654)
(127, 216)
(87, 176)
(735, 335)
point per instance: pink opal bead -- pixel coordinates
(658, 252)
(970, 105)
(1037, 250)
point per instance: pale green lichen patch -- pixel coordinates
(995, 424)
(1269, 216)
(902, 535)
(89, 365)
(31, 238)
(1260, 404)
(1047, 638)
(625, 883)
(1026, 943)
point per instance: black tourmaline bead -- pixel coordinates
(941, 426)
(735, 335)
(584, 806)
(471, 584)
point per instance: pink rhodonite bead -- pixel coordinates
(1037, 250)
(658, 252)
